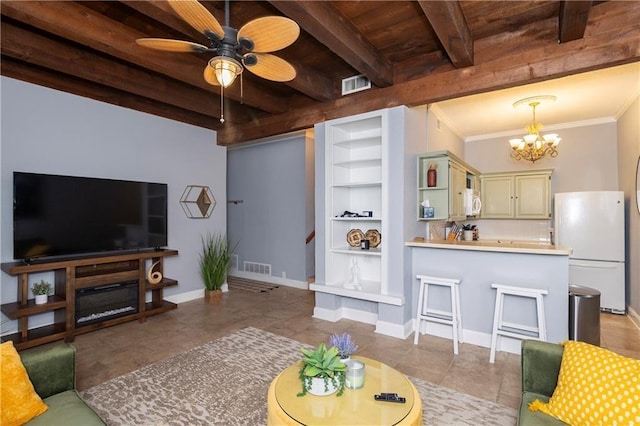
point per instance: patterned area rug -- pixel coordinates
(211, 385)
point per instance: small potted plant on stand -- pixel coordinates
(345, 344)
(41, 291)
(215, 261)
(322, 372)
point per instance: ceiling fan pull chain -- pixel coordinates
(241, 90)
(221, 104)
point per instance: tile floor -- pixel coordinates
(111, 352)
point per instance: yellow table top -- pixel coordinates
(355, 406)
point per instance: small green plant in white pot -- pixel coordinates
(41, 291)
(321, 371)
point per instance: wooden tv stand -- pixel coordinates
(77, 273)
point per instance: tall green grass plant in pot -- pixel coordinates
(215, 261)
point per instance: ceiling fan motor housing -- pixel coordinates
(229, 46)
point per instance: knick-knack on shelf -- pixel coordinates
(432, 175)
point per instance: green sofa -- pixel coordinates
(51, 369)
(540, 362)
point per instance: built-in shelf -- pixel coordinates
(369, 285)
(370, 291)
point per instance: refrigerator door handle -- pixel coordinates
(599, 265)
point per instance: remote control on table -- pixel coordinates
(390, 397)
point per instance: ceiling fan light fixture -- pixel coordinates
(226, 70)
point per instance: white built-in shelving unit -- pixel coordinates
(366, 163)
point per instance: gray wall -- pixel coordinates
(587, 159)
(270, 224)
(628, 157)
(47, 131)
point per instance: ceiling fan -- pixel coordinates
(235, 50)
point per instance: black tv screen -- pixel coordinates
(66, 215)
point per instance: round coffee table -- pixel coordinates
(354, 407)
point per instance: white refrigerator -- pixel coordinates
(591, 223)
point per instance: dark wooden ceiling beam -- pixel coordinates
(21, 44)
(18, 70)
(160, 11)
(611, 39)
(326, 24)
(574, 15)
(447, 20)
(83, 25)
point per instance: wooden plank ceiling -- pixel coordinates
(414, 53)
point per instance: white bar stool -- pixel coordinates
(517, 331)
(451, 318)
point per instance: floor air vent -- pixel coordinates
(355, 84)
(257, 268)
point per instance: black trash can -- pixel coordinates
(584, 314)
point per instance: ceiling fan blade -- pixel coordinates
(270, 33)
(197, 16)
(172, 45)
(272, 67)
(210, 76)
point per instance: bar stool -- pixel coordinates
(451, 318)
(517, 331)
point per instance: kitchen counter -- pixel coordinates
(504, 246)
(478, 264)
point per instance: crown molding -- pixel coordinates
(440, 115)
(548, 128)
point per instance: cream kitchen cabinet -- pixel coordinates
(521, 195)
(447, 196)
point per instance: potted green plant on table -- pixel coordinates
(41, 291)
(345, 344)
(215, 261)
(321, 371)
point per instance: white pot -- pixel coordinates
(317, 387)
(41, 299)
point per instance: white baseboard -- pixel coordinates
(186, 297)
(334, 315)
(634, 317)
(505, 344)
(399, 331)
(303, 285)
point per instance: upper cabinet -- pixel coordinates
(519, 195)
(446, 194)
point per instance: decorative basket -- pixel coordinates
(374, 237)
(354, 237)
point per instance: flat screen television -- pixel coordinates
(66, 215)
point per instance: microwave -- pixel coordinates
(472, 203)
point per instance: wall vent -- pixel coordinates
(355, 84)
(257, 268)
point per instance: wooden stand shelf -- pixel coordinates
(77, 273)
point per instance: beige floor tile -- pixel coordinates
(111, 352)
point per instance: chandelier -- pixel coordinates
(533, 146)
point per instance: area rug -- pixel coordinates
(225, 382)
(254, 286)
